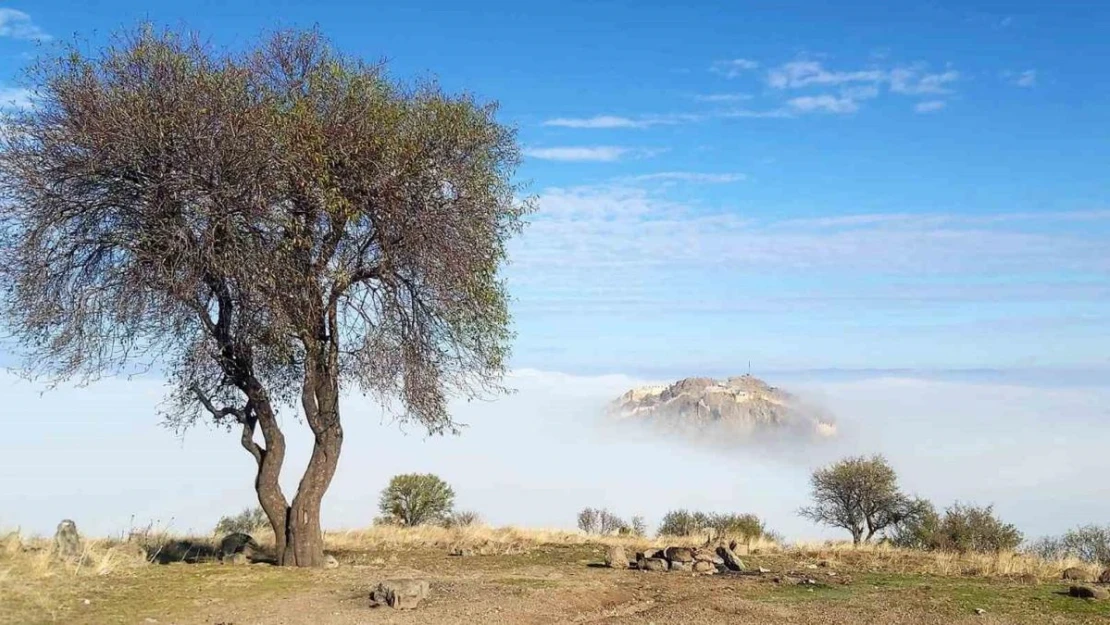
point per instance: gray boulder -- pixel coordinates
(703, 566)
(330, 562)
(733, 562)
(653, 564)
(236, 543)
(708, 556)
(682, 567)
(679, 554)
(401, 594)
(67, 542)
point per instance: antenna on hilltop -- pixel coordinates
(749, 367)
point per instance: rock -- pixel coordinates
(460, 552)
(763, 570)
(1105, 577)
(330, 562)
(980, 611)
(653, 564)
(708, 556)
(237, 559)
(67, 542)
(678, 554)
(1089, 592)
(682, 567)
(811, 566)
(400, 594)
(237, 542)
(704, 566)
(1074, 574)
(616, 558)
(731, 561)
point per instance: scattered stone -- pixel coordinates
(704, 566)
(150, 620)
(763, 570)
(653, 564)
(330, 562)
(678, 554)
(1089, 592)
(708, 556)
(733, 562)
(811, 566)
(832, 573)
(682, 567)
(85, 601)
(237, 543)
(1074, 574)
(459, 552)
(67, 542)
(400, 594)
(1105, 577)
(616, 558)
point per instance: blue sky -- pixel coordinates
(816, 189)
(802, 186)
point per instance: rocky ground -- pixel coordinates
(544, 584)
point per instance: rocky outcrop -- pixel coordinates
(400, 594)
(741, 405)
(67, 542)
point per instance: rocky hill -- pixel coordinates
(740, 405)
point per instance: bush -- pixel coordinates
(746, 527)
(248, 521)
(601, 521)
(1090, 543)
(682, 523)
(918, 529)
(415, 499)
(963, 528)
(464, 518)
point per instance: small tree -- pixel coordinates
(588, 520)
(858, 494)
(415, 499)
(747, 527)
(682, 523)
(918, 529)
(600, 521)
(638, 526)
(248, 521)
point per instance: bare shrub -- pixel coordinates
(1089, 543)
(462, 518)
(601, 522)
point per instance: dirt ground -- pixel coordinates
(554, 584)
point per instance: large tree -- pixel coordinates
(269, 228)
(860, 495)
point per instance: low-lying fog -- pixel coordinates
(536, 457)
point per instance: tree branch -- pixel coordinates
(244, 416)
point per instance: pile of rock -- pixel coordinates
(1084, 590)
(681, 559)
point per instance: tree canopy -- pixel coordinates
(860, 495)
(268, 227)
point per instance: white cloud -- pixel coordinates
(776, 113)
(797, 74)
(823, 103)
(18, 25)
(913, 80)
(930, 106)
(599, 153)
(15, 98)
(614, 121)
(1028, 78)
(734, 67)
(599, 121)
(723, 97)
(689, 176)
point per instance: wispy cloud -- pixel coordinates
(914, 81)
(797, 74)
(18, 25)
(15, 98)
(930, 106)
(596, 153)
(614, 121)
(1027, 78)
(690, 176)
(823, 103)
(734, 67)
(723, 97)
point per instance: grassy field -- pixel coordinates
(520, 576)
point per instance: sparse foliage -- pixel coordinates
(266, 225)
(638, 526)
(918, 529)
(462, 518)
(601, 521)
(248, 521)
(682, 523)
(686, 523)
(417, 499)
(858, 494)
